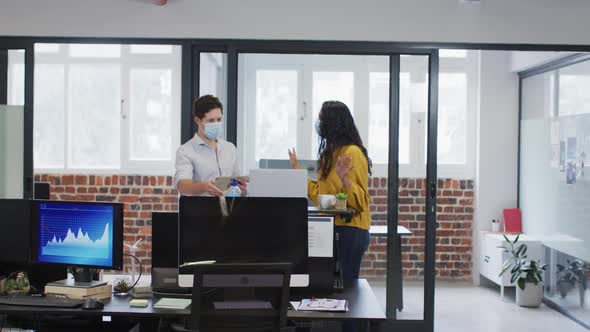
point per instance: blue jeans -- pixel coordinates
(352, 244)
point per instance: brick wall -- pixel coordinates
(142, 195)
(454, 231)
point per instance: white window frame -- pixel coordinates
(127, 61)
(361, 68)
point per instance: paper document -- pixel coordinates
(171, 303)
(323, 305)
(320, 236)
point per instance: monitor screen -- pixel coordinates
(76, 233)
(254, 230)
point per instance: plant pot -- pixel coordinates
(340, 204)
(564, 288)
(531, 296)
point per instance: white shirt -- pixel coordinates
(197, 161)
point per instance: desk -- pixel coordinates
(381, 231)
(363, 307)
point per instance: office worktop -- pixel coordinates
(362, 302)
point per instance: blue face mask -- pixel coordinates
(213, 130)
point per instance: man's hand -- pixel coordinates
(243, 185)
(212, 189)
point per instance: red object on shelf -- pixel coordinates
(512, 221)
(161, 2)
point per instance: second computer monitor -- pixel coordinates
(254, 230)
(85, 234)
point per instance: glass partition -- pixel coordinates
(12, 82)
(555, 188)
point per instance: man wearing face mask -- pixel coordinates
(206, 156)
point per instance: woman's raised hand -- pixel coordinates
(343, 166)
(293, 159)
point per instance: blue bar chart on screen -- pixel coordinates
(76, 234)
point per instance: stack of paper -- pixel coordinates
(322, 305)
(171, 303)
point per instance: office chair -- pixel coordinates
(239, 297)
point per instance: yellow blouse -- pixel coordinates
(358, 193)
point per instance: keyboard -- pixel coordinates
(34, 301)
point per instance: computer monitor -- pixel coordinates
(81, 234)
(255, 230)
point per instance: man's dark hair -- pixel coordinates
(205, 104)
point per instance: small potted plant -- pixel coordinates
(121, 286)
(574, 273)
(341, 201)
(528, 275)
(17, 283)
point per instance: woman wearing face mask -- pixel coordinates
(206, 156)
(343, 166)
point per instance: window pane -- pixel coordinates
(16, 78)
(95, 50)
(379, 121)
(151, 49)
(151, 114)
(46, 48)
(276, 113)
(330, 85)
(452, 120)
(94, 104)
(573, 89)
(49, 120)
(452, 53)
(212, 78)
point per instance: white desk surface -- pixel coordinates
(382, 231)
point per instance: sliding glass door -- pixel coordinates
(273, 94)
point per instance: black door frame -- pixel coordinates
(27, 47)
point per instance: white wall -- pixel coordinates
(490, 21)
(527, 60)
(497, 156)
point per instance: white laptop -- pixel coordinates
(278, 183)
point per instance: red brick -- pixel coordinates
(128, 199)
(468, 202)
(150, 199)
(147, 191)
(114, 190)
(107, 181)
(67, 180)
(71, 190)
(81, 179)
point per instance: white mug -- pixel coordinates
(326, 201)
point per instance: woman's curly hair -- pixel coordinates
(336, 129)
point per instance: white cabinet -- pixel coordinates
(492, 257)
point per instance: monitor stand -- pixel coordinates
(82, 279)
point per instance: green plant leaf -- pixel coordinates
(504, 270)
(517, 237)
(521, 283)
(514, 278)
